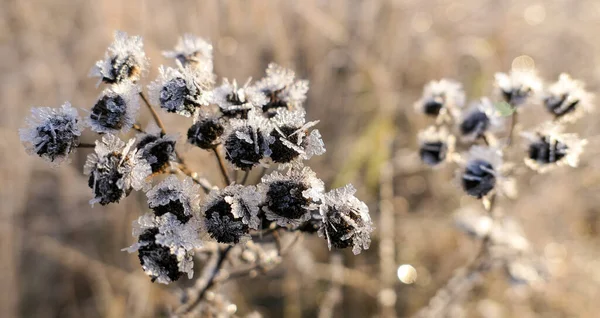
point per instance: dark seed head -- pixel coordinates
(222, 225)
(242, 154)
(312, 225)
(109, 112)
(433, 153)
(159, 154)
(338, 227)
(122, 70)
(516, 96)
(285, 199)
(475, 124)
(104, 181)
(274, 102)
(159, 255)
(174, 207)
(56, 138)
(234, 99)
(546, 152)
(173, 96)
(554, 104)
(281, 153)
(204, 133)
(478, 179)
(432, 107)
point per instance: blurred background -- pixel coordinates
(367, 62)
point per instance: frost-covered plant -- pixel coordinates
(485, 170)
(256, 124)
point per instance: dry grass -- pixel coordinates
(367, 62)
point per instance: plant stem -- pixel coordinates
(245, 178)
(513, 124)
(154, 114)
(222, 166)
(86, 145)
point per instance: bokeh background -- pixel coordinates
(367, 62)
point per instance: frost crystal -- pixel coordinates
(52, 133)
(116, 109)
(230, 213)
(346, 220)
(435, 145)
(115, 169)
(290, 197)
(247, 141)
(192, 50)
(518, 86)
(236, 102)
(567, 99)
(181, 91)
(281, 89)
(482, 117)
(548, 148)
(292, 139)
(442, 99)
(166, 245)
(124, 60)
(180, 198)
(157, 149)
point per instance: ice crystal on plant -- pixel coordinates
(518, 86)
(548, 147)
(346, 220)
(116, 109)
(157, 149)
(567, 99)
(115, 169)
(281, 89)
(181, 91)
(52, 133)
(124, 60)
(178, 197)
(292, 139)
(235, 101)
(247, 141)
(192, 50)
(442, 99)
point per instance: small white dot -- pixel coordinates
(407, 274)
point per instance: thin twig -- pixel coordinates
(245, 178)
(222, 166)
(154, 113)
(513, 124)
(222, 256)
(86, 145)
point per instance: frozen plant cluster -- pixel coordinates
(478, 139)
(258, 127)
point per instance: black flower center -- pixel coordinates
(105, 178)
(281, 153)
(158, 255)
(174, 96)
(433, 106)
(545, 152)
(56, 137)
(158, 154)
(204, 133)
(478, 179)
(174, 207)
(122, 69)
(285, 199)
(243, 154)
(109, 112)
(433, 153)
(475, 124)
(222, 225)
(338, 227)
(557, 105)
(516, 96)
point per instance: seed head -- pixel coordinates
(236, 102)
(517, 87)
(346, 220)
(157, 149)
(441, 99)
(548, 148)
(481, 171)
(281, 89)
(435, 145)
(567, 99)
(206, 132)
(52, 133)
(181, 91)
(115, 169)
(116, 109)
(482, 117)
(178, 197)
(247, 141)
(192, 51)
(124, 60)
(290, 197)
(292, 140)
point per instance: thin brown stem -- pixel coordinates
(245, 178)
(513, 124)
(222, 166)
(154, 113)
(86, 145)
(138, 128)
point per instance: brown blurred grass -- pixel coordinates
(367, 62)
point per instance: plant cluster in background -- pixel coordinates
(250, 126)
(479, 139)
